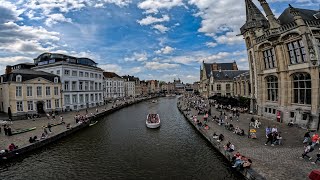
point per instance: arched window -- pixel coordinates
(272, 88)
(56, 80)
(302, 88)
(18, 78)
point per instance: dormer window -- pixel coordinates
(56, 80)
(18, 78)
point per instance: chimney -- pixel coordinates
(8, 69)
(235, 67)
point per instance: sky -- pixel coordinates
(150, 39)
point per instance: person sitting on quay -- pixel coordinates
(307, 137)
(307, 150)
(239, 161)
(33, 139)
(291, 123)
(43, 136)
(61, 120)
(12, 147)
(68, 126)
(247, 164)
(206, 127)
(315, 140)
(215, 136)
(220, 138)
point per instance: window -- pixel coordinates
(18, 91)
(67, 99)
(56, 80)
(56, 91)
(292, 114)
(91, 75)
(81, 98)
(86, 74)
(302, 88)
(228, 87)
(30, 105)
(91, 85)
(296, 52)
(74, 73)
(57, 103)
(96, 95)
(92, 97)
(218, 87)
(272, 88)
(48, 104)
(86, 85)
(66, 86)
(100, 97)
(29, 91)
(74, 99)
(96, 76)
(58, 72)
(87, 98)
(269, 58)
(99, 76)
(66, 72)
(100, 88)
(74, 85)
(80, 86)
(95, 86)
(18, 78)
(80, 74)
(19, 106)
(39, 91)
(48, 91)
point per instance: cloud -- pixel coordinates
(153, 6)
(135, 70)
(211, 44)
(165, 50)
(158, 66)
(161, 28)
(55, 18)
(9, 12)
(214, 24)
(111, 68)
(151, 20)
(137, 57)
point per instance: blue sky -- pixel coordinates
(151, 39)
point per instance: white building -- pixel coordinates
(114, 86)
(129, 86)
(81, 79)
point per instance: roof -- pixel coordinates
(28, 74)
(227, 74)
(110, 75)
(129, 78)
(223, 66)
(306, 14)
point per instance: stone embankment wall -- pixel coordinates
(250, 174)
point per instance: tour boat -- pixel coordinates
(154, 101)
(153, 121)
(93, 123)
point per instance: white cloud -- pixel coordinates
(151, 20)
(211, 44)
(165, 50)
(137, 57)
(111, 68)
(161, 28)
(55, 18)
(214, 23)
(153, 6)
(158, 66)
(135, 70)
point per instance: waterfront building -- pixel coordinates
(196, 86)
(129, 86)
(82, 80)
(153, 86)
(217, 79)
(144, 88)
(24, 91)
(241, 85)
(179, 87)
(283, 55)
(114, 86)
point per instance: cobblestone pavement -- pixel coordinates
(23, 139)
(272, 162)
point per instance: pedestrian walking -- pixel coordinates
(307, 150)
(318, 158)
(270, 139)
(49, 127)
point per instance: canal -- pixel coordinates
(121, 147)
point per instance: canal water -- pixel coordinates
(121, 147)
